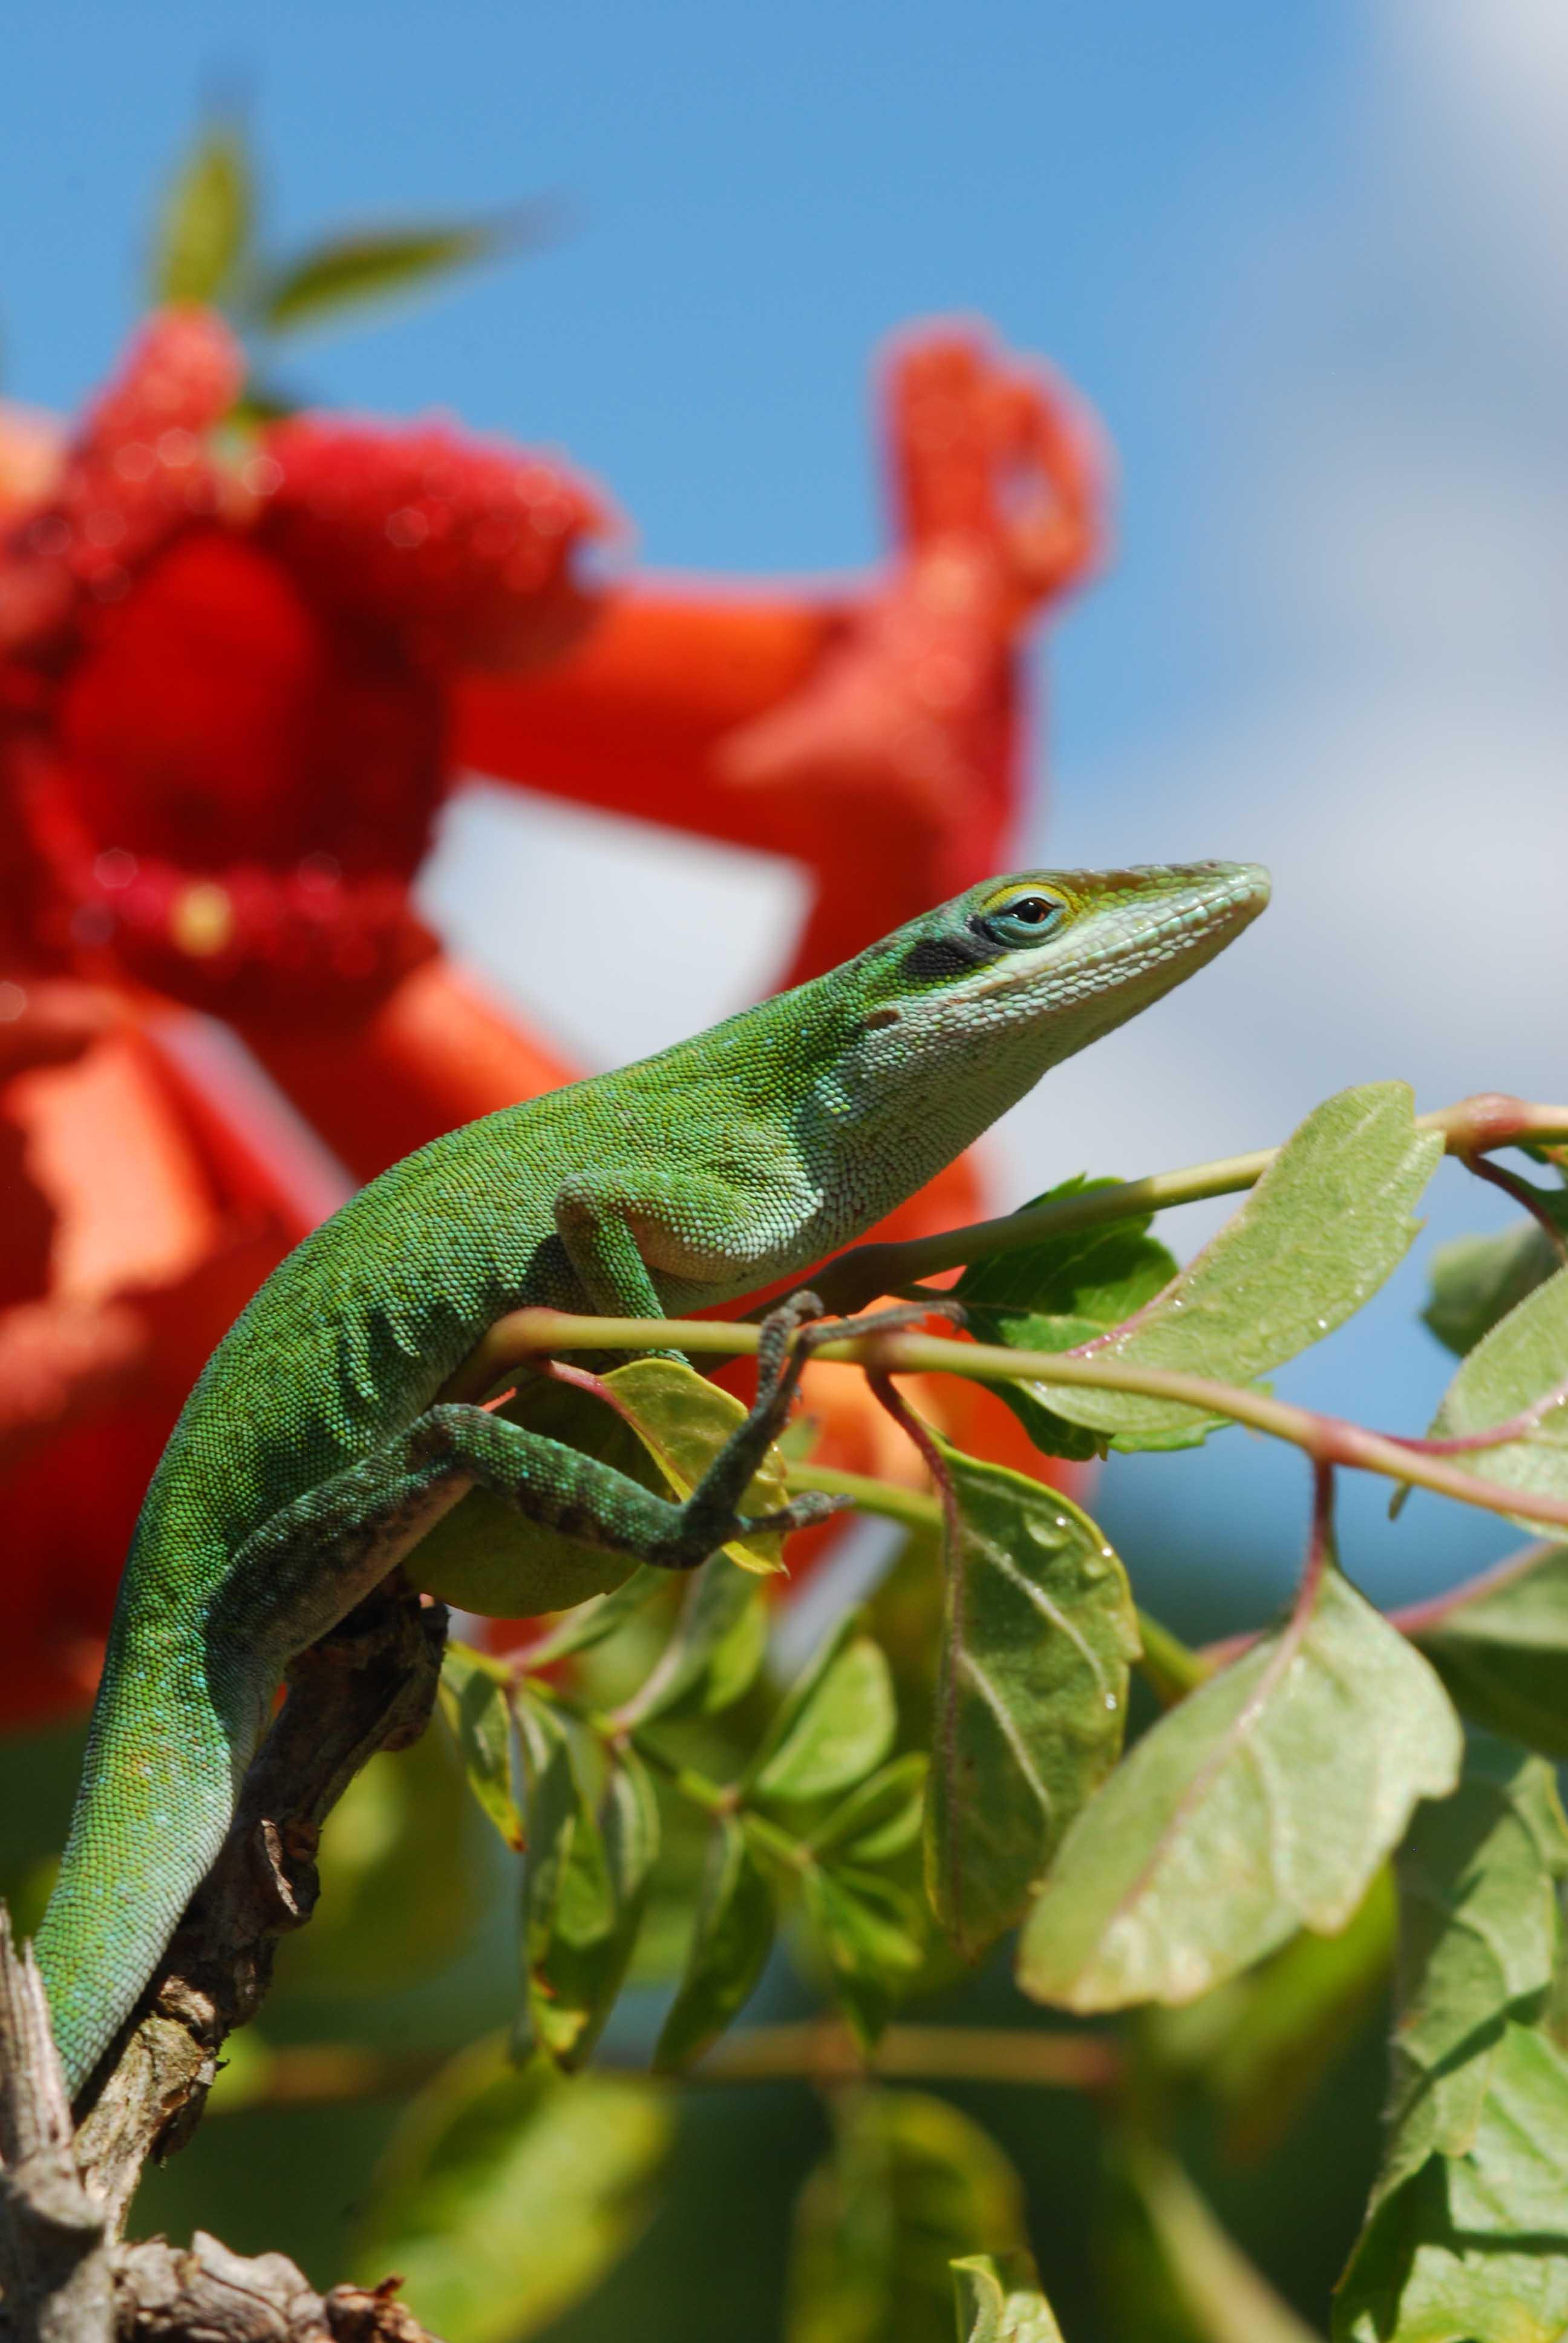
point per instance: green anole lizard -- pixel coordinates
(314, 1454)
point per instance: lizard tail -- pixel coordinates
(166, 1751)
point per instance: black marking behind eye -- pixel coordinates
(951, 955)
(880, 1017)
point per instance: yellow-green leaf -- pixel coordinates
(203, 233)
(1000, 2302)
(341, 272)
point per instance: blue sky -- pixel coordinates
(1305, 261)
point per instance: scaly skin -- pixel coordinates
(311, 1454)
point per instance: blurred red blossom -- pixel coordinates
(241, 666)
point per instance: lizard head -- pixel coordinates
(1020, 972)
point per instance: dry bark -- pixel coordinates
(64, 2192)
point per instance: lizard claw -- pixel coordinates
(802, 1513)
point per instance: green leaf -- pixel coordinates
(1503, 1654)
(834, 1727)
(1520, 1367)
(585, 1886)
(1468, 2231)
(665, 1429)
(997, 2304)
(1261, 2044)
(1476, 1280)
(717, 1648)
(204, 234)
(1325, 1225)
(909, 2187)
(879, 1818)
(1056, 1295)
(507, 2194)
(1264, 1803)
(597, 1619)
(1226, 2299)
(341, 272)
(1478, 1946)
(568, 1906)
(476, 1703)
(1416, 2278)
(1037, 1632)
(730, 1943)
(871, 1931)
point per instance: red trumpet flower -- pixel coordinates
(240, 669)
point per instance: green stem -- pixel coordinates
(697, 1788)
(1327, 1439)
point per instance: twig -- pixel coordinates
(368, 1685)
(55, 2285)
(820, 2052)
(1523, 1192)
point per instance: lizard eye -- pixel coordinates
(1027, 918)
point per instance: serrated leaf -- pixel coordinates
(475, 1701)
(1038, 1631)
(1001, 2305)
(1264, 1803)
(1055, 1295)
(1503, 1654)
(1327, 1224)
(730, 1943)
(910, 2186)
(1520, 1367)
(507, 2194)
(484, 1556)
(341, 272)
(835, 1724)
(1476, 1280)
(1468, 2232)
(1225, 2297)
(869, 1930)
(878, 1819)
(204, 234)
